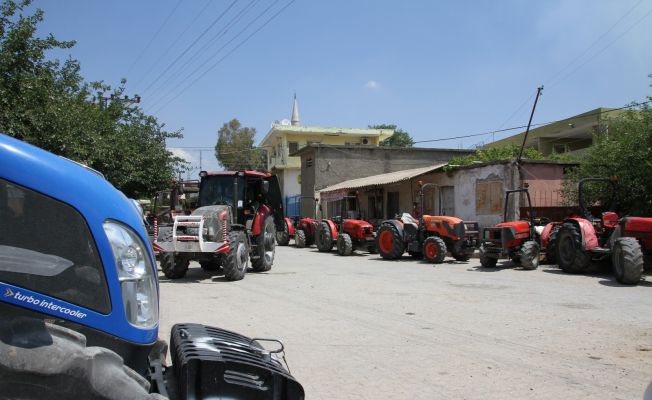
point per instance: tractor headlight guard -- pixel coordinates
(136, 275)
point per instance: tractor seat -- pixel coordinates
(609, 219)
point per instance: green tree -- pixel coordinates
(400, 138)
(623, 151)
(501, 153)
(235, 147)
(47, 103)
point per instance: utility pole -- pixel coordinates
(536, 99)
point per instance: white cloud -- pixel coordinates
(181, 153)
(372, 85)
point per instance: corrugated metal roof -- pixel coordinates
(382, 179)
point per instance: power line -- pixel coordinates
(539, 124)
(233, 21)
(227, 55)
(140, 55)
(215, 21)
(549, 81)
(178, 37)
(604, 48)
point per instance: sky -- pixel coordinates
(436, 69)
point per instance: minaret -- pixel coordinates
(295, 112)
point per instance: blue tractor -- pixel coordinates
(79, 299)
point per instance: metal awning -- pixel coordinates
(339, 190)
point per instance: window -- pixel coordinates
(293, 146)
(46, 246)
(489, 197)
(560, 148)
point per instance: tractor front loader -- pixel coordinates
(430, 237)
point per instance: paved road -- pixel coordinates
(360, 327)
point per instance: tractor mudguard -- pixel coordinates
(589, 238)
(215, 363)
(261, 214)
(398, 225)
(545, 234)
(290, 226)
(334, 232)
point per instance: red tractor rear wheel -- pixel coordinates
(389, 243)
(571, 256)
(324, 237)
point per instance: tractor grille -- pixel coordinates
(215, 363)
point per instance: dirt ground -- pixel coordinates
(360, 327)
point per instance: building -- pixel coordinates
(474, 193)
(571, 135)
(285, 138)
(325, 165)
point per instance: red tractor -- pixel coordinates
(430, 237)
(586, 238)
(302, 229)
(521, 241)
(238, 215)
(348, 234)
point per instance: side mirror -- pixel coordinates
(265, 187)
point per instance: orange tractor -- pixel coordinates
(348, 234)
(430, 237)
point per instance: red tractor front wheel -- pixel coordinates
(434, 250)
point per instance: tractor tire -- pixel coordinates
(389, 243)
(486, 260)
(40, 360)
(283, 237)
(571, 257)
(344, 244)
(434, 250)
(627, 259)
(236, 260)
(324, 237)
(530, 255)
(265, 247)
(212, 265)
(174, 266)
(551, 250)
(300, 239)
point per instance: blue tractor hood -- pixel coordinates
(88, 192)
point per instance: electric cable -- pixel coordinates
(235, 20)
(165, 21)
(225, 56)
(201, 35)
(176, 40)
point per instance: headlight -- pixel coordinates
(136, 274)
